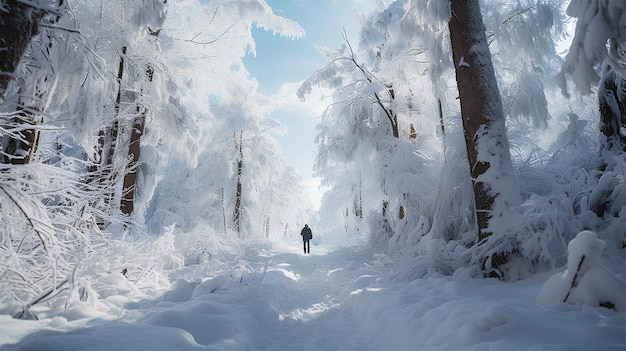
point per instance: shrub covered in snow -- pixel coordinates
(586, 280)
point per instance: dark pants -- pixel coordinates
(307, 246)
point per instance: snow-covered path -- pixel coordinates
(332, 299)
(310, 308)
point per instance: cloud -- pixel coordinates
(285, 99)
(301, 120)
(314, 190)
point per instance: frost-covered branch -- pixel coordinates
(329, 76)
(518, 12)
(28, 218)
(220, 35)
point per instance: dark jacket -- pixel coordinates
(306, 234)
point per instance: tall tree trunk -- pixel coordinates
(101, 174)
(237, 211)
(612, 99)
(18, 25)
(358, 201)
(127, 204)
(483, 119)
(109, 139)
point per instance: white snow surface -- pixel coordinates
(336, 298)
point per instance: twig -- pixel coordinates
(192, 40)
(574, 282)
(71, 30)
(518, 12)
(27, 218)
(41, 297)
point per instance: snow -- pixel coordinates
(586, 280)
(463, 63)
(417, 285)
(337, 298)
(598, 22)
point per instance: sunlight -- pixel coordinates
(312, 312)
(287, 273)
(333, 271)
(358, 291)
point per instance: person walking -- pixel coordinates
(307, 235)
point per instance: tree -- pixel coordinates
(522, 39)
(18, 25)
(371, 121)
(600, 40)
(135, 69)
(612, 100)
(122, 120)
(491, 169)
(201, 174)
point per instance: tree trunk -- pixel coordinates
(612, 99)
(237, 211)
(109, 138)
(483, 118)
(18, 24)
(19, 147)
(358, 201)
(127, 204)
(101, 174)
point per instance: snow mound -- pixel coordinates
(586, 281)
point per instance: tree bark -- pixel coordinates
(612, 99)
(237, 211)
(18, 24)
(19, 148)
(127, 204)
(482, 114)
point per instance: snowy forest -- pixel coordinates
(463, 141)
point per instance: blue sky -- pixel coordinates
(281, 63)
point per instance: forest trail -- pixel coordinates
(336, 298)
(311, 304)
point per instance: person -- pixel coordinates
(307, 235)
